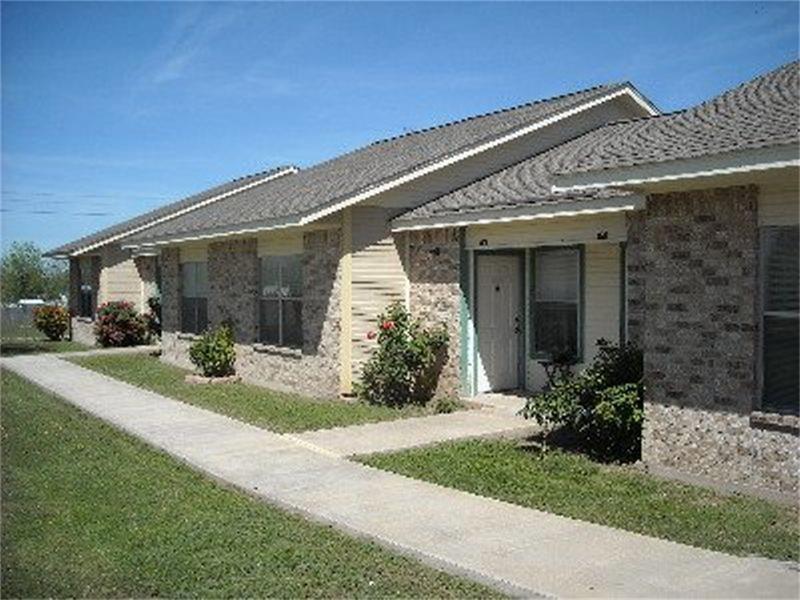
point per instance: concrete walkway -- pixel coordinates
(515, 549)
(388, 436)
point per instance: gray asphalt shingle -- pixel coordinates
(361, 170)
(163, 211)
(762, 112)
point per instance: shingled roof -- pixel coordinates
(527, 183)
(762, 112)
(163, 212)
(365, 169)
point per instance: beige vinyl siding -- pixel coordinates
(548, 232)
(378, 277)
(603, 288)
(119, 278)
(779, 204)
(602, 296)
(194, 253)
(280, 243)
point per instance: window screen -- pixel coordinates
(86, 296)
(780, 320)
(555, 302)
(281, 303)
(194, 297)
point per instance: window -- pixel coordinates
(780, 319)
(281, 305)
(85, 301)
(556, 302)
(194, 297)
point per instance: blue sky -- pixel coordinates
(112, 109)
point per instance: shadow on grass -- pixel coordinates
(568, 441)
(18, 347)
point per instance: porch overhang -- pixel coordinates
(544, 210)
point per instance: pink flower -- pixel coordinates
(386, 325)
(371, 335)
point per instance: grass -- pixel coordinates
(90, 512)
(572, 485)
(25, 339)
(261, 407)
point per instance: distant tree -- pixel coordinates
(25, 273)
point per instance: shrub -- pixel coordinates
(214, 353)
(153, 316)
(118, 324)
(447, 405)
(406, 365)
(53, 321)
(601, 407)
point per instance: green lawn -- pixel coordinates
(573, 486)
(88, 511)
(25, 339)
(264, 408)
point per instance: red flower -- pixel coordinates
(371, 335)
(386, 325)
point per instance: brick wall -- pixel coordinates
(146, 269)
(174, 350)
(233, 287)
(433, 272)
(82, 328)
(314, 370)
(233, 274)
(693, 307)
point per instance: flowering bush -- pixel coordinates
(118, 324)
(53, 321)
(406, 365)
(214, 353)
(601, 407)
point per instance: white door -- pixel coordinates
(499, 320)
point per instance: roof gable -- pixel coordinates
(763, 112)
(760, 113)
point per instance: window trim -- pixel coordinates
(280, 300)
(759, 406)
(531, 293)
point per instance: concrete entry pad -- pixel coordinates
(515, 549)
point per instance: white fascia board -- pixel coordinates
(290, 170)
(551, 210)
(729, 163)
(626, 91)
